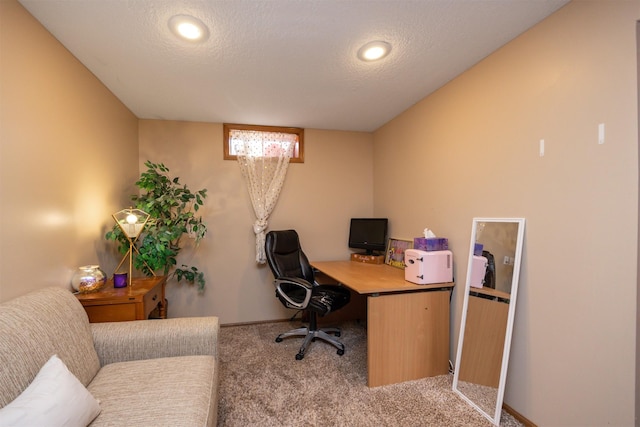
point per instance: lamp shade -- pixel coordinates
(131, 221)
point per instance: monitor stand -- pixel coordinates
(368, 259)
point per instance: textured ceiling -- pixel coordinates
(283, 62)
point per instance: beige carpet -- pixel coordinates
(261, 384)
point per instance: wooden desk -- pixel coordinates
(134, 302)
(407, 324)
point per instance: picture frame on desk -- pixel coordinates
(394, 256)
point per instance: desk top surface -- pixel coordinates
(491, 292)
(371, 278)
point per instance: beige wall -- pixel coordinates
(68, 148)
(318, 198)
(471, 149)
(638, 273)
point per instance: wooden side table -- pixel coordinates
(134, 302)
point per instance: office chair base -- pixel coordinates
(312, 335)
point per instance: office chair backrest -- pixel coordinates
(285, 256)
(490, 275)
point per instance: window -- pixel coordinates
(229, 149)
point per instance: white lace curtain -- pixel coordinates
(263, 158)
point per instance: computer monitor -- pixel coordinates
(369, 234)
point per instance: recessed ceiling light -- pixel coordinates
(188, 28)
(373, 51)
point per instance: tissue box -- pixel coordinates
(430, 243)
(477, 249)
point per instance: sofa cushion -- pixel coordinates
(36, 326)
(54, 398)
(171, 391)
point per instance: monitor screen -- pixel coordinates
(369, 234)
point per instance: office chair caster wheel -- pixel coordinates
(278, 339)
(299, 356)
(340, 352)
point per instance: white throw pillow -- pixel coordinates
(55, 397)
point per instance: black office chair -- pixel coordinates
(296, 288)
(490, 275)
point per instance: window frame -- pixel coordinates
(299, 132)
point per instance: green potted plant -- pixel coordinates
(173, 211)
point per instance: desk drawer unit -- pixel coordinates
(111, 313)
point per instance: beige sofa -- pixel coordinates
(140, 373)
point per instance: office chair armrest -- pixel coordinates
(301, 283)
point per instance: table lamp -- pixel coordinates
(131, 222)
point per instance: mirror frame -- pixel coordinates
(495, 417)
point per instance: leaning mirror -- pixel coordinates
(488, 312)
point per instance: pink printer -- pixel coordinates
(426, 267)
(478, 270)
